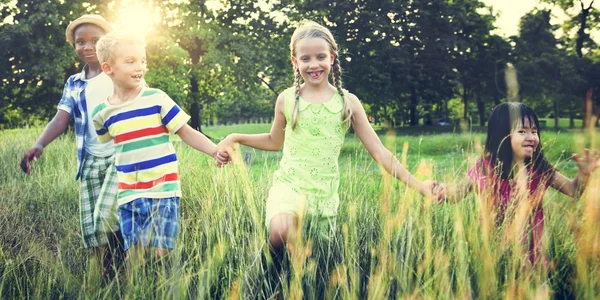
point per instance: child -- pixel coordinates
(514, 173)
(83, 91)
(139, 120)
(311, 121)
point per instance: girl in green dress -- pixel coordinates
(311, 120)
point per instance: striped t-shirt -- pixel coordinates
(144, 156)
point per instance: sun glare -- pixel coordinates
(138, 18)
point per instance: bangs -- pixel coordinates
(520, 113)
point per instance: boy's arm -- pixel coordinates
(271, 141)
(55, 127)
(382, 155)
(197, 140)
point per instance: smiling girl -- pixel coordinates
(513, 175)
(311, 120)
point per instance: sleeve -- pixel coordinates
(172, 116)
(67, 102)
(476, 174)
(102, 132)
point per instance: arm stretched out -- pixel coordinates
(382, 155)
(200, 142)
(586, 165)
(55, 127)
(272, 141)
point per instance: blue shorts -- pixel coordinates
(152, 222)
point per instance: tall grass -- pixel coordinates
(390, 243)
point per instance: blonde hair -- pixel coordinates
(106, 47)
(310, 29)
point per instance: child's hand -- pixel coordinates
(427, 188)
(222, 158)
(225, 150)
(439, 192)
(588, 162)
(32, 154)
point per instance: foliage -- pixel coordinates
(405, 59)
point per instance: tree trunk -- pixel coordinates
(414, 101)
(581, 36)
(428, 118)
(196, 107)
(465, 96)
(571, 117)
(481, 110)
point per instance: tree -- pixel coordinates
(583, 17)
(37, 59)
(539, 62)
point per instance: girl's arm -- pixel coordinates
(586, 165)
(197, 140)
(456, 193)
(271, 141)
(382, 155)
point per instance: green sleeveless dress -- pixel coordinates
(308, 177)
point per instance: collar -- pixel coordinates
(334, 105)
(81, 76)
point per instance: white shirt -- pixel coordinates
(97, 90)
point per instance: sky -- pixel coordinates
(510, 12)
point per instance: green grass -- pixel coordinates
(391, 243)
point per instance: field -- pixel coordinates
(391, 243)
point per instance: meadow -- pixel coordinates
(391, 242)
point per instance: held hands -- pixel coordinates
(439, 192)
(222, 158)
(432, 190)
(224, 151)
(32, 154)
(588, 162)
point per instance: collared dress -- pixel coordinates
(308, 177)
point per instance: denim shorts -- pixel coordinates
(152, 222)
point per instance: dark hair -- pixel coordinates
(498, 148)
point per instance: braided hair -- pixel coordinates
(310, 29)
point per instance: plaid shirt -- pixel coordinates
(73, 101)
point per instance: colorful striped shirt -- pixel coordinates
(145, 159)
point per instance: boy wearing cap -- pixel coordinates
(95, 168)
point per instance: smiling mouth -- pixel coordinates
(137, 76)
(315, 74)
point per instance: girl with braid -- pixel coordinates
(311, 120)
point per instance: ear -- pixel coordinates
(294, 62)
(106, 68)
(333, 57)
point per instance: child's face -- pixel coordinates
(85, 37)
(129, 65)
(313, 59)
(524, 140)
